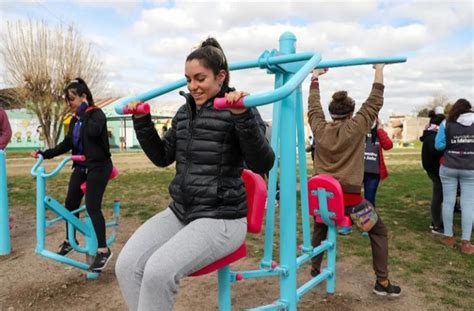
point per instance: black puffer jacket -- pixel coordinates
(429, 155)
(94, 139)
(209, 147)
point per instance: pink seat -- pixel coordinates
(256, 198)
(335, 200)
(113, 175)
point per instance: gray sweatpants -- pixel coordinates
(164, 250)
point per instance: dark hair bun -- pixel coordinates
(341, 105)
(340, 96)
(431, 114)
(80, 80)
(79, 87)
(210, 55)
(211, 42)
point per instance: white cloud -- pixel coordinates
(162, 21)
(440, 16)
(152, 50)
(168, 46)
(123, 7)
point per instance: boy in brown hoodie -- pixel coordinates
(340, 153)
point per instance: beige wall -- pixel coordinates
(412, 127)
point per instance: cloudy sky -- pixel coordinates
(143, 44)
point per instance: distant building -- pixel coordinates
(405, 128)
(120, 127)
(26, 130)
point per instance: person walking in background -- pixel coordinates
(456, 137)
(375, 170)
(5, 130)
(164, 129)
(430, 159)
(87, 136)
(340, 153)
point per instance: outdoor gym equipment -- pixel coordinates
(84, 225)
(290, 70)
(4, 217)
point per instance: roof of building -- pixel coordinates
(9, 100)
(106, 101)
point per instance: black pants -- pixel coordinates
(436, 199)
(97, 179)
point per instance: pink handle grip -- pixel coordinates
(239, 277)
(83, 187)
(79, 158)
(142, 108)
(222, 103)
(114, 173)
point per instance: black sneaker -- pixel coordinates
(314, 272)
(391, 290)
(64, 249)
(438, 230)
(100, 261)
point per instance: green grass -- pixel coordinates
(416, 257)
(403, 201)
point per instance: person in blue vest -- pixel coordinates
(87, 136)
(206, 218)
(456, 137)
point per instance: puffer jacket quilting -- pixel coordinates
(209, 147)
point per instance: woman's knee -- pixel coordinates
(159, 275)
(448, 204)
(125, 266)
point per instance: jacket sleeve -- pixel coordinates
(95, 121)
(440, 140)
(257, 152)
(160, 152)
(385, 141)
(367, 114)
(5, 130)
(60, 148)
(316, 116)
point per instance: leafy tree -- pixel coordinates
(438, 100)
(40, 61)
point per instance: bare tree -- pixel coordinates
(40, 61)
(438, 100)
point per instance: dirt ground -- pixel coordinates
(31, 282)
